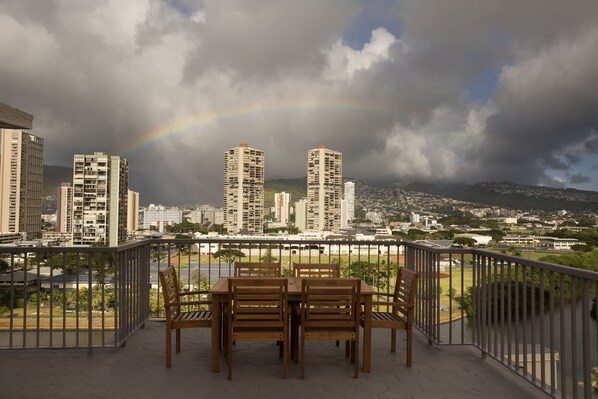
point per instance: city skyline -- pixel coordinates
(406, 90)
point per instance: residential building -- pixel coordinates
(64, 208)
(301, 214)
(100, 185)
(324, 189)
(344, 212)
(244, 189)
(282, 207)
(21, 179)
(132, 211)
(349, 196)
(414, 217)
(207, 215)
(158, 216)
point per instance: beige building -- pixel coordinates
(301, 214)
(244, 190)
(64, 208)
(324, 189)
(21, 180)
(100, 185)
(282, 210)
(132, 211)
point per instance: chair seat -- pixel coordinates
(189, 317)
(386, 317)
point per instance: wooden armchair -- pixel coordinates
(257, 269)
(400, 307)
(258, 312)
(330, 309)
(175, 317)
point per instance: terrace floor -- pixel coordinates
(137, 371)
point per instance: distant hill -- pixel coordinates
(296, 187)
(53, 176)
(511, 195)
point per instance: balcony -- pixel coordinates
(529, 332)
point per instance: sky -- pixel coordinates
(452, 91)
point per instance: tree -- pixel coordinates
(465, 241)
(229, 255)
(268, 256)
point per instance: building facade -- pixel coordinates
(158, 216)
(206, 215)
(64, 208)
(300, 211)
(324, 189)
(100, 186)
(132, 211)
(349, 197)
(282, 209)
(21, 180)
(244, 190)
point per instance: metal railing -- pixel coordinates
(533, 317)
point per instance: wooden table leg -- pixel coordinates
(367, 335)
(216, 308)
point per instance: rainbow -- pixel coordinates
(206, 118)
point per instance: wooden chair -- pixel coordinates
(176, 319)
(400, 317)
(322, 270)
(257, 269)
(319, 270)
(330, 310)
(258, 312)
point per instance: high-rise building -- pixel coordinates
(100, 185)
(281, 207)
(344, 211)
(159, 216)
(324, 189)
(132, 211)
(64, 208)
(349, 196)
(244, 189)
(21, 179)
(301, 214)
(414, 217)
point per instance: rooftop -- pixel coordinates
(137, 370)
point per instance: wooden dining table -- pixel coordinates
(219, 292)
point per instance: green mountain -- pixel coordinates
(511, 195)
(296, 187)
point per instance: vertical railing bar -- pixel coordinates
(12, 299)
(484, 319)
(586, 353)
(462, 296)
(437, 293)
(102, 278)
(450, 293)
(574, 336)
(494, 323)
(25, 289)
(64, 298)
(77, 277)
(542, 327)
(517, 314)
(509, 314)
(562, 331)
(38, 294)
(551, 332)
(502, 311)
(533, 322)
(89, 298)
(51, 331)
(524, 319)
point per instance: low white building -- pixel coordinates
(158, 216)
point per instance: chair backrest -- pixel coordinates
(331, 303)
(170, 290)
(405, 288)
(257, 302)
(257, 269)
(323, 270)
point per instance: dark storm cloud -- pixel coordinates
(99, 76)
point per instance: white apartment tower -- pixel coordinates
(350, 198)
(244, 189)
(132, 211)
(64, 208)
(100, 185)
(324, 189)
(21, 179)
(301, 214)
(282, 207)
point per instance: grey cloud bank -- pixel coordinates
(279, 75)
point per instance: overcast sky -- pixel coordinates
(460, 90)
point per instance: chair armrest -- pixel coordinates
(386, 294)
(386, 303)
(194, 293)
